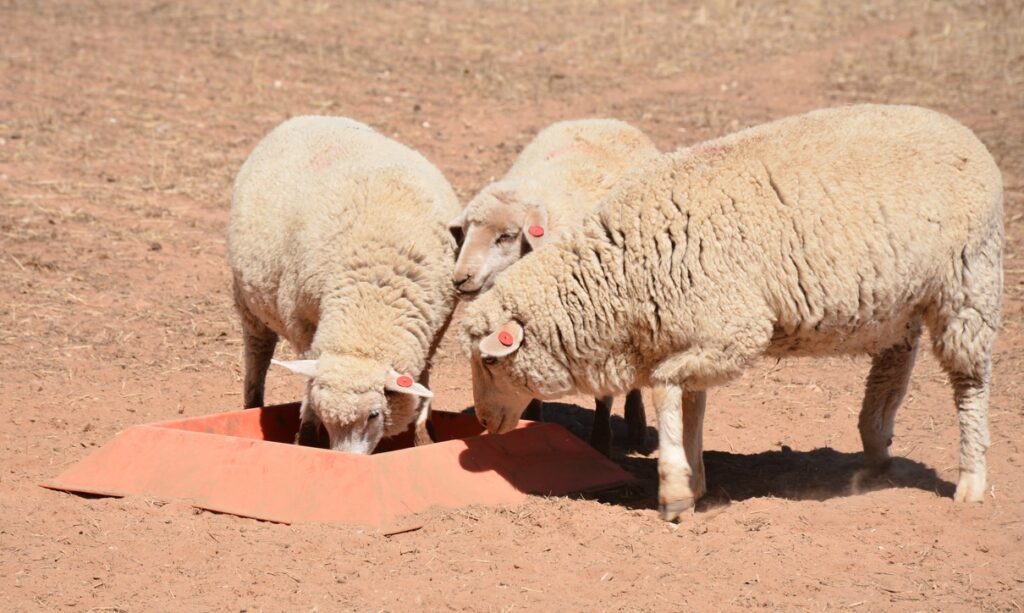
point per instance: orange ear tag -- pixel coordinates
(505, 338)
(404, 381)
(536, 231)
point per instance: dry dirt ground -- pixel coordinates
(122, 125)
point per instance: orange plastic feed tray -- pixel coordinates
(242, 463)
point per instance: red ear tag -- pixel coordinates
(404, 381)
(505, 338)
(536, 231)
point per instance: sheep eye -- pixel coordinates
(490, 360)
(374, 414)
(505, 238)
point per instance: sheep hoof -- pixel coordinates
(672, 510)
(970, 488)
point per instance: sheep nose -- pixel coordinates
(462, 286)
(460, 279)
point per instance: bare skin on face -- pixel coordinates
(356, 419)
(493, 234)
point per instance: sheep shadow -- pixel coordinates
(580, 422)
(818, 474)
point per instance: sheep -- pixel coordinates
(337, 242)
(842, 231)
(557, 180)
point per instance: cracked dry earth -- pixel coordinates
(121, 127)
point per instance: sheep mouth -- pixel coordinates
(468, 294)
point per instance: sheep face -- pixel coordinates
(358, 401)
(508, 374)
(494, 231)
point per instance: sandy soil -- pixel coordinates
(121, 127)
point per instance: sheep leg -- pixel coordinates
(972, 412)
(311, 431)
(601, 431)
(422, 434)
(534, 411)
(258, 351)
(636, 418)
(886, 386)
(964, 347)
(963, 333)
(259, 343)
(680, 449)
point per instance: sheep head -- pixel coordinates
(510, 368)
(494, 230)
(359, 401)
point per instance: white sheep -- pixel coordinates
(338, 243)
(841, 231)
(555, 183)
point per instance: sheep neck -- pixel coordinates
(365, 320)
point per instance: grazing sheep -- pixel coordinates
(841, 231)
(337, 242)
(557, 181)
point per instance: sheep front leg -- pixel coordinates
(680, 449)
(311, 430)
(422, 434)
(259, 342)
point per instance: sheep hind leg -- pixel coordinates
(965, 352)
(963, 331)
(601, 431)
(886, 386)
(680, 449)
(972, 413)
(636, 418)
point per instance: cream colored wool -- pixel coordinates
(841, 231)
(338, 243)
(559, 178)
(556, 182)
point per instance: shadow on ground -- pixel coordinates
(580, 421)
(818, 474)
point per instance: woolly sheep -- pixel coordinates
(841, 231)
(337, 242)
(557, 180)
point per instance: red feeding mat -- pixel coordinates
(243, 463)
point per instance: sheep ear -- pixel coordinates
(535, 228)
(306, 368)
(455, 227)
(505, 341)
(404, 384)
